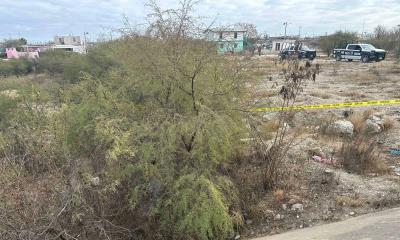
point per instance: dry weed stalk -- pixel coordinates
(272, 154)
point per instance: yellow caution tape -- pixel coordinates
(329, 105)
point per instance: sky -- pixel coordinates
(41, 20)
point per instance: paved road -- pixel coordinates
(377, 226)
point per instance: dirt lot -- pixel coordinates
(324, 192)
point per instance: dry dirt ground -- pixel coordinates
(325, 193)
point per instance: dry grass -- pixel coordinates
(271, 126)
(261, 211)
(361, 155)
(388, 123)
(353, 95)
(262, 67)
(358, 121)
(368, 113)
(279, 195)
(325, 121)
(366, 78)
(320, 95)
(264, 94)
(354, 201)
(392, 69)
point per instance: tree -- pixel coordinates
(385, 38)
(14, 43)
(380, 32)
(159, 125)
(251, 29)
(339, 39)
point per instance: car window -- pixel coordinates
(351, 47)
(358, 48)
(368, 47)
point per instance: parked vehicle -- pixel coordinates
(298, 51)
(362, 52)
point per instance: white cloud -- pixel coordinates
(44, 18)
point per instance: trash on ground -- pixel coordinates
(394, 151)
(319, 159)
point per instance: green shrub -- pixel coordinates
(70, 66)
(197, 210)
(6, 69)
(16, 67)
(397, 53)
(339, 39)
(154, 119)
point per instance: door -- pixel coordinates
(277, 46)
(357, 53)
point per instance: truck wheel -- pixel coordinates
(350, 60)
(338, 58)
(365, 59)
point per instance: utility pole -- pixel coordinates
(300, 28)
(285, 24)
(398, 32)
(363, 32)
(85, 41)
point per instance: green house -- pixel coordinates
(228, 40)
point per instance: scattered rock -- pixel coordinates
(10, 93)
(268, 117)
(348, 113)
(377, 117)
(298, 207)
(317, 151)
(286, 125)
(303, 150)
(249, 221)
(277, 217)
(329, 172)
(341, 127)
(95, 181)
(284, 206)
(237, 237)
(372, 127)
(396, 170)
(352, 214)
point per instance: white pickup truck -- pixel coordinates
(362, 52)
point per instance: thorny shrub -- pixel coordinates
(138, 145)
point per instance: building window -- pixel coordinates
(220, 35)
(277, 46)
(235, 35)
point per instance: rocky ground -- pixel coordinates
(326, 192)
